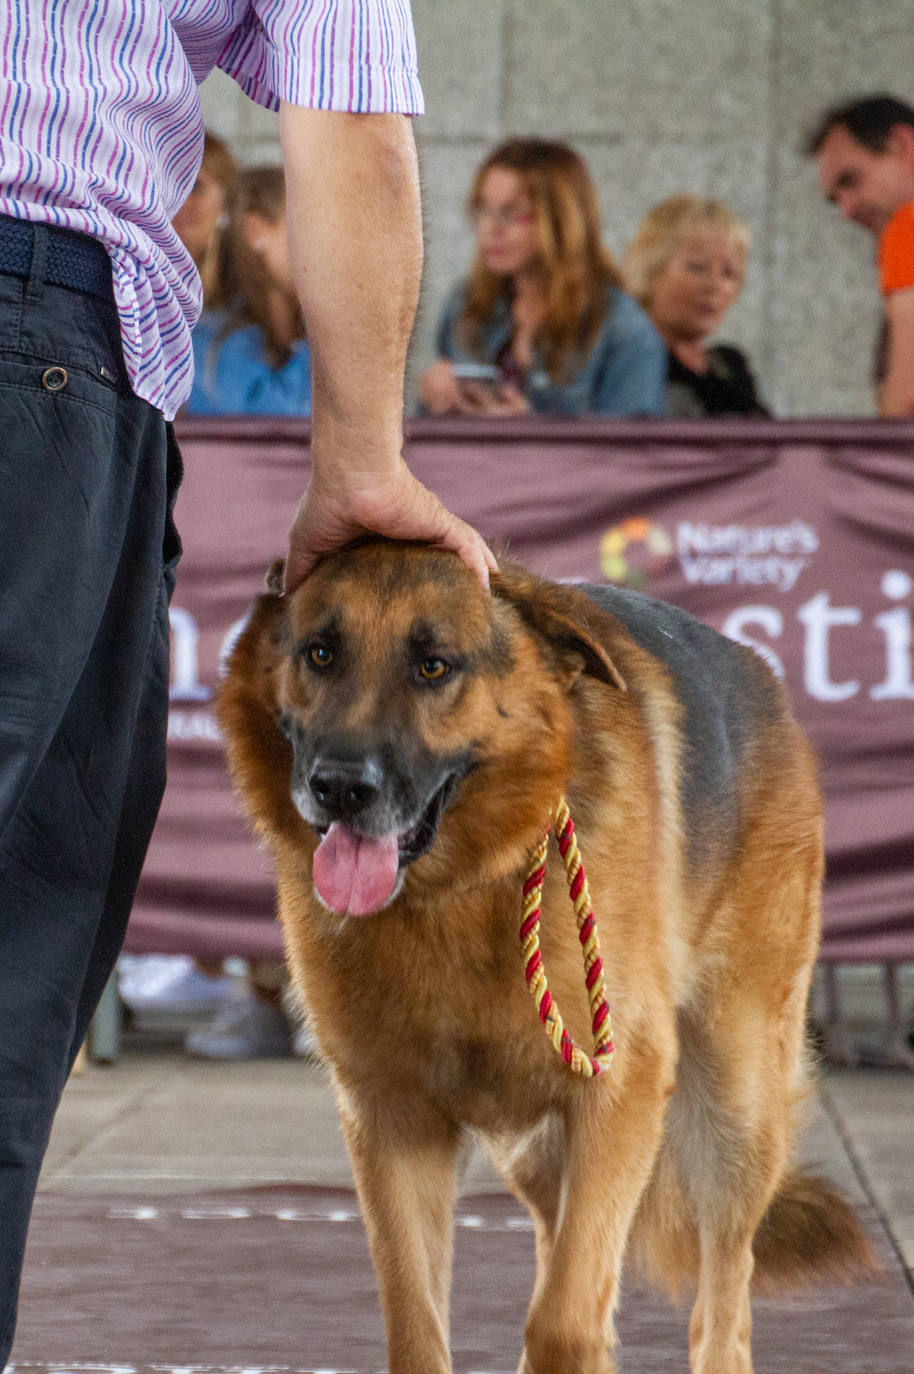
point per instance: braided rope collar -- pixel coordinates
(589, 1066)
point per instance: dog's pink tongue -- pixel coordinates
(354, 875)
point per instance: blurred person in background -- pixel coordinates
(202, 219)
(251, 356)
(236, 236)
(865, 154)
(543, 307)
(174, 983)
(686, 265)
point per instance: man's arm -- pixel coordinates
(355, 229)
(896, 394)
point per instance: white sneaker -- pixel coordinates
(246, 1029)
(170, 983)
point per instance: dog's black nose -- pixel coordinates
(344, 789)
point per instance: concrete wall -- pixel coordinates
(661, 96)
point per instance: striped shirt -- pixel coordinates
(101, 128)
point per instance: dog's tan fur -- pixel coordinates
(679, 1156)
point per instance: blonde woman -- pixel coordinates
(542, 323)
(686, 265)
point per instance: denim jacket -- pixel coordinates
(624, 372)
(233, 376)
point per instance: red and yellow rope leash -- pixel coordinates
(601, 1025)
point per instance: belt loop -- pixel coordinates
(35, 283)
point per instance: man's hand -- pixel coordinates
(394, 504)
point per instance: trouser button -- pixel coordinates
(54, 378)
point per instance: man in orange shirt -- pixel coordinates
(865, 154)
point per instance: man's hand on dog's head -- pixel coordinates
(338, 508)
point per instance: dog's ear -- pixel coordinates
(258, 753)
(273, 580)
(565, 618)
(253, 665)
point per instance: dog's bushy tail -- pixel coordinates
(809, 1235)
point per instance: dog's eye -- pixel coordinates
(434, 669)
(319, 656)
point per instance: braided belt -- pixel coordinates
(73, 259)
(589, 1066)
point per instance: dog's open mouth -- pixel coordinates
(357, 875)
(419, 839)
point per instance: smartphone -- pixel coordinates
(484, 373)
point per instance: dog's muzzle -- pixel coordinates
(345, 790)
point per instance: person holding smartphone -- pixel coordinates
(542, 323)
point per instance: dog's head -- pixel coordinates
(400, 712)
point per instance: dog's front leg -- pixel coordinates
(612, 1134)
(404, 1157)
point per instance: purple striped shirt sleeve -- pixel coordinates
(353, 55)
(101, 130)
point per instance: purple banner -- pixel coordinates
(796, 538)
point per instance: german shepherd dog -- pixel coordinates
(400, 740)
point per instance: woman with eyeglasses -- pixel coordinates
(542, 322)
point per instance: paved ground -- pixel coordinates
(198, 1215)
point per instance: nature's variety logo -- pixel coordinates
(633, 551)
(745, 555)
(708, 555)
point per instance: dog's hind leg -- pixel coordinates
(729, 1125)
(612, 1130)
(531, 1165)
(742, 1066)
(404, 1159)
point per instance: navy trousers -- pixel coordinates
(87, 554)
